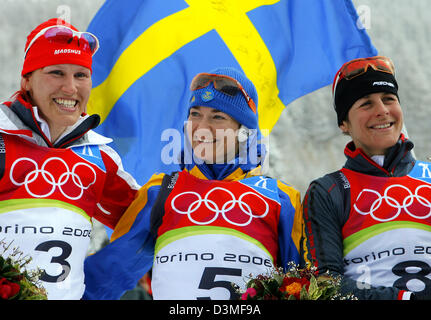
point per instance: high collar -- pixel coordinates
(29, 119)
(398, 159)
(202, 172)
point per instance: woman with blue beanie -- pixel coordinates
(215, 222)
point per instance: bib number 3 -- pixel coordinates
(66, 250)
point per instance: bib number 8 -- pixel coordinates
(401, 270)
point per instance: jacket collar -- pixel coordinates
(248, 162)
(200, 172)
(397, 159)
(19, 118)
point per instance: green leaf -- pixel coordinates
(10, 274)
(314, 291)
(279, 278)
(303, 295)
(272, 285)
(313, 285)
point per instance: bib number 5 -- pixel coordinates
(208, 280)
(61, 259)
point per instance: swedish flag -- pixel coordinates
(151, 49)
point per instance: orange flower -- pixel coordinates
(293, 289)
(293, 286)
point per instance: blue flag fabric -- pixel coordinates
(150, 51)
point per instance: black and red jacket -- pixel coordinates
(327, 207)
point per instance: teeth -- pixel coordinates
(66, 102)
(205, 141)
(382, 126)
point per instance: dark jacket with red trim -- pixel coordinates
(326, 209)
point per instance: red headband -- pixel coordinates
(44, 53)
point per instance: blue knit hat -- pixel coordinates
(236, 106)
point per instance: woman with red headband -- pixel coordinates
(371, 220)
(215, 222)
(56, 174)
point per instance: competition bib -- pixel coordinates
(213, 234)
(56, 239)
(387, 238)
(204, 266)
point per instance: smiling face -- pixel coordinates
(374, 123)
(213, 134)
(60, 93)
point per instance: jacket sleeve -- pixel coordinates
(291, 226)
(118, 266)
(118, 192)
(324, 217)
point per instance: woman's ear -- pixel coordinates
(243, 134)
(25, 83)
(344, 127)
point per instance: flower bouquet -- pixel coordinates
(16, 283)
(296, 284)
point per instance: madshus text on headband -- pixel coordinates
(67, 51)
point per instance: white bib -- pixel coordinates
(57, 240)
(204, 266)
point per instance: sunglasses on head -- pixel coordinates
(62, 34)
(357, 67)
(222, 83)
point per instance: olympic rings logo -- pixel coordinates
(406, 204)
(227, 206)
(67, 176)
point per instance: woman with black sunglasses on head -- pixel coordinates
(215, 222)
(371, 221)
(56, 174)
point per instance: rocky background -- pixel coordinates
(306, 142)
